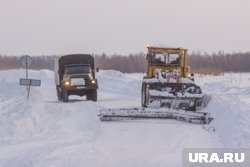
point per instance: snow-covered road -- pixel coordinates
(43, 132)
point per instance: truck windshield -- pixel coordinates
(77, 69)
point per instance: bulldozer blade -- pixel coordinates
(151, 113)
(183, 96)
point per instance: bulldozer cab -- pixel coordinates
(166, 59)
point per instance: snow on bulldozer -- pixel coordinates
(168, 91)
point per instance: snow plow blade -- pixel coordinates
(183, 96)
(151, 113)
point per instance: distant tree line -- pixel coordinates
(129, 64)
(199, 62)
(219, 62)
(38, 62)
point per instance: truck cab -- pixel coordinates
(75, 75)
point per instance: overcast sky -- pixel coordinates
(122, 26)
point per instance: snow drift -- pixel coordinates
(43, 132)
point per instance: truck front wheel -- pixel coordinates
(59, 94)
(65, 96)
(92, 95)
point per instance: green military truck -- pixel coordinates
(75, 75)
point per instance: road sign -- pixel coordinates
(30, 82)
(26, 61)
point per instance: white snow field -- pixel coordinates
(43, 132)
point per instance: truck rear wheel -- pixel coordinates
(65, 96)
(92, 95)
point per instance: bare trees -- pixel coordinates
(38, 62)
(200, 62)
(129, 64)
(220, 62)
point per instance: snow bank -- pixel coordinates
(230, 107)
(44, 132)
(111, 81)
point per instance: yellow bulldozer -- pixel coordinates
(168, 90)
(168, 82)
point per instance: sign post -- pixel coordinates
(26, 61)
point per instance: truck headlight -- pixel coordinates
(67, 83)
(93, 82)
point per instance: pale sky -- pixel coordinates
(38, 27)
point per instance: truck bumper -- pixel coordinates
(80, 87)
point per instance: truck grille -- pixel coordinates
(77, 81)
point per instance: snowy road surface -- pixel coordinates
(43, 132)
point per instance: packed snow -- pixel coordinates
(44, 132)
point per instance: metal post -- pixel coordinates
(26, 66)
(29, 89)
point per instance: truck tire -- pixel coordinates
(65, 96)
(59, 94)
(92, 95)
